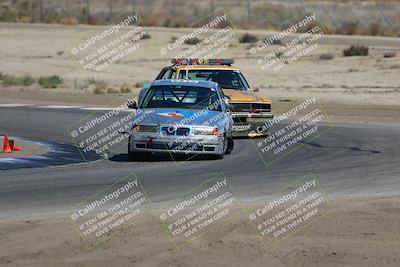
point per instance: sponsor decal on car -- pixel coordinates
(169, 114)
(241, 127)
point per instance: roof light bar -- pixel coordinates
(196, 61)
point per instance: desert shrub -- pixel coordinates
(274, 41)
(389, 54)
(279, 54)
(9, 80)
(6, 14)
(98, 90)
(326, 56)
(145, 36)
(99, 87)
(139, 84)
(173, 39)
(125, 89)
(356, 50)
(70, 21)
(24, 19)
(375, 29)
(192, 41)
(50, 81)
(27, 80)
(91, 80)
(309, 27)
(350, 28)
(111, 90)
(248, 38)
(328, 29)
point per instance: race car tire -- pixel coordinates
(230, 146)
(223, 152)
(137, 156)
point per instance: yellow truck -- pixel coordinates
(250, 111)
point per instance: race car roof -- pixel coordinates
(197, 83)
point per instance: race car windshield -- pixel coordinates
(188, 97)
(227, 79)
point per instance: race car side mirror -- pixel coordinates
(226, 100)
(227, 104)
(132, 104)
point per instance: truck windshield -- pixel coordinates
(176, 96)
(227, 79)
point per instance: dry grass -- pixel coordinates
(139, 84)
(326, 56)
(70, 21)
(11, 80)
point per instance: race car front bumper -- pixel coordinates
(183, 145)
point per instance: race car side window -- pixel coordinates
(166, 73)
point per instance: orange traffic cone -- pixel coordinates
(13, 146)
(6, 145)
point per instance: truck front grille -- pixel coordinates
(251, 107)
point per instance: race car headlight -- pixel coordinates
(205, 130)
(202, 130)
(144, 129)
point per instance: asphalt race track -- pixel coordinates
(349, 160)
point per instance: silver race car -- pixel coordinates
(181, 117)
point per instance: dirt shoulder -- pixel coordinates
(358, 232)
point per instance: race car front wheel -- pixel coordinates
(229, 146)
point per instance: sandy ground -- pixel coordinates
(357, 232)
(351, 89)
(28, 149)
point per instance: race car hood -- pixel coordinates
(187, 117)
(244, 96)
